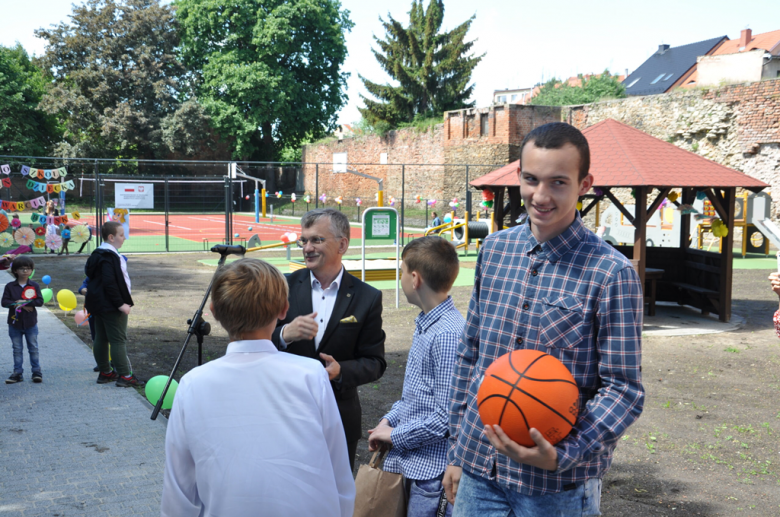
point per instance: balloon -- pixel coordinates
(66, 299)
(250, 228)
(47, 295)
(46, 279)
(247, 197)
(447, 218)
(235, 236)
(32, 274)
(80, 317)
(154, 388)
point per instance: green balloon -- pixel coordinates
(31, 275)
(47, 295)
(154, 388)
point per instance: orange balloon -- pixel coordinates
(525, 389)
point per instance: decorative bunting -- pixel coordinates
(64, 219)
(7, 182)
(25, 170)
(50, 187)
(19, 206)
(34, 218)
(5, 169)
(75, 215)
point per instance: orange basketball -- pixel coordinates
(525, 389)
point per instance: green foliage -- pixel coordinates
(24, 130)
(432, 68)
(118, 88)
(422, 124)
(593, 89)
(267, 71)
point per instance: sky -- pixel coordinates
(523, 42)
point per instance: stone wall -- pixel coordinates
(737, 126)
(480, 138)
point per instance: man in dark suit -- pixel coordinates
(334, 317)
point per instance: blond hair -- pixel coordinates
(248, 295)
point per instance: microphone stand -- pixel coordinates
(198, 326)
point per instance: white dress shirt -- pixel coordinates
(322, 302)
(256, 432)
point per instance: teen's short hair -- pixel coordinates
(557, 134)
(248, 295)
(20, 262)
(435, 260)
(339, 224)
(109, 228)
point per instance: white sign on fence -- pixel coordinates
(339, 162)
(134, 195)
(380, 225)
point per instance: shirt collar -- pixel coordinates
(106, 246)
(424, 321)
(557, 247)
(250, 346)
(336, 282)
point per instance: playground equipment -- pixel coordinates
(752, 214)
(235, 171)
(462, 231)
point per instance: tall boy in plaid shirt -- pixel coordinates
(417, 425)
(549, 285)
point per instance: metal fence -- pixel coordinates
(196, 204)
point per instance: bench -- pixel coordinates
(712, 295)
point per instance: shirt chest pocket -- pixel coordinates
(561, 322)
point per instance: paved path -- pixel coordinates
(70, 446)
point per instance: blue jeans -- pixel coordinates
(481, 497)
(425, 496)
(32, 347)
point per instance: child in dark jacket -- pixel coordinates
(21, 297)
(108, 300)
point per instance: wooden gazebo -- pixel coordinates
(625, 157)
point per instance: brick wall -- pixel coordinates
(482, 138)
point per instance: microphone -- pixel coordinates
(222, 249)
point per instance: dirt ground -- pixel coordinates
(706, 443)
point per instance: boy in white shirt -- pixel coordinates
(256, 431)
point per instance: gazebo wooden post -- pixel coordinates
(687, 198)
(727, 255)
(640, 231)
(498, 209)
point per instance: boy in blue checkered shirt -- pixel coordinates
(417, 425)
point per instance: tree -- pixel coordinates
(432, 68)
(268, 71)
(591, 89)
(119, 88)
(24, 130)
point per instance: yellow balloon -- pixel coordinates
(672, 196)
(66, 299)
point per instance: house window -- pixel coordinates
(658, 78)
(502, 99)
(514, 98)
(668, 77)
(633, 82)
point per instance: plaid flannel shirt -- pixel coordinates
(420, 419)
(579, 300)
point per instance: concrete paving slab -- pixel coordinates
(680, 320)
(70, 446)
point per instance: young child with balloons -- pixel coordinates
(21, 297)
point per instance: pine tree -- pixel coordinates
(432, 68)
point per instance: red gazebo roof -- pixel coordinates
(622, 156)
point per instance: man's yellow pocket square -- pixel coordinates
(351, 319)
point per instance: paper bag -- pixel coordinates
(379, 493)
